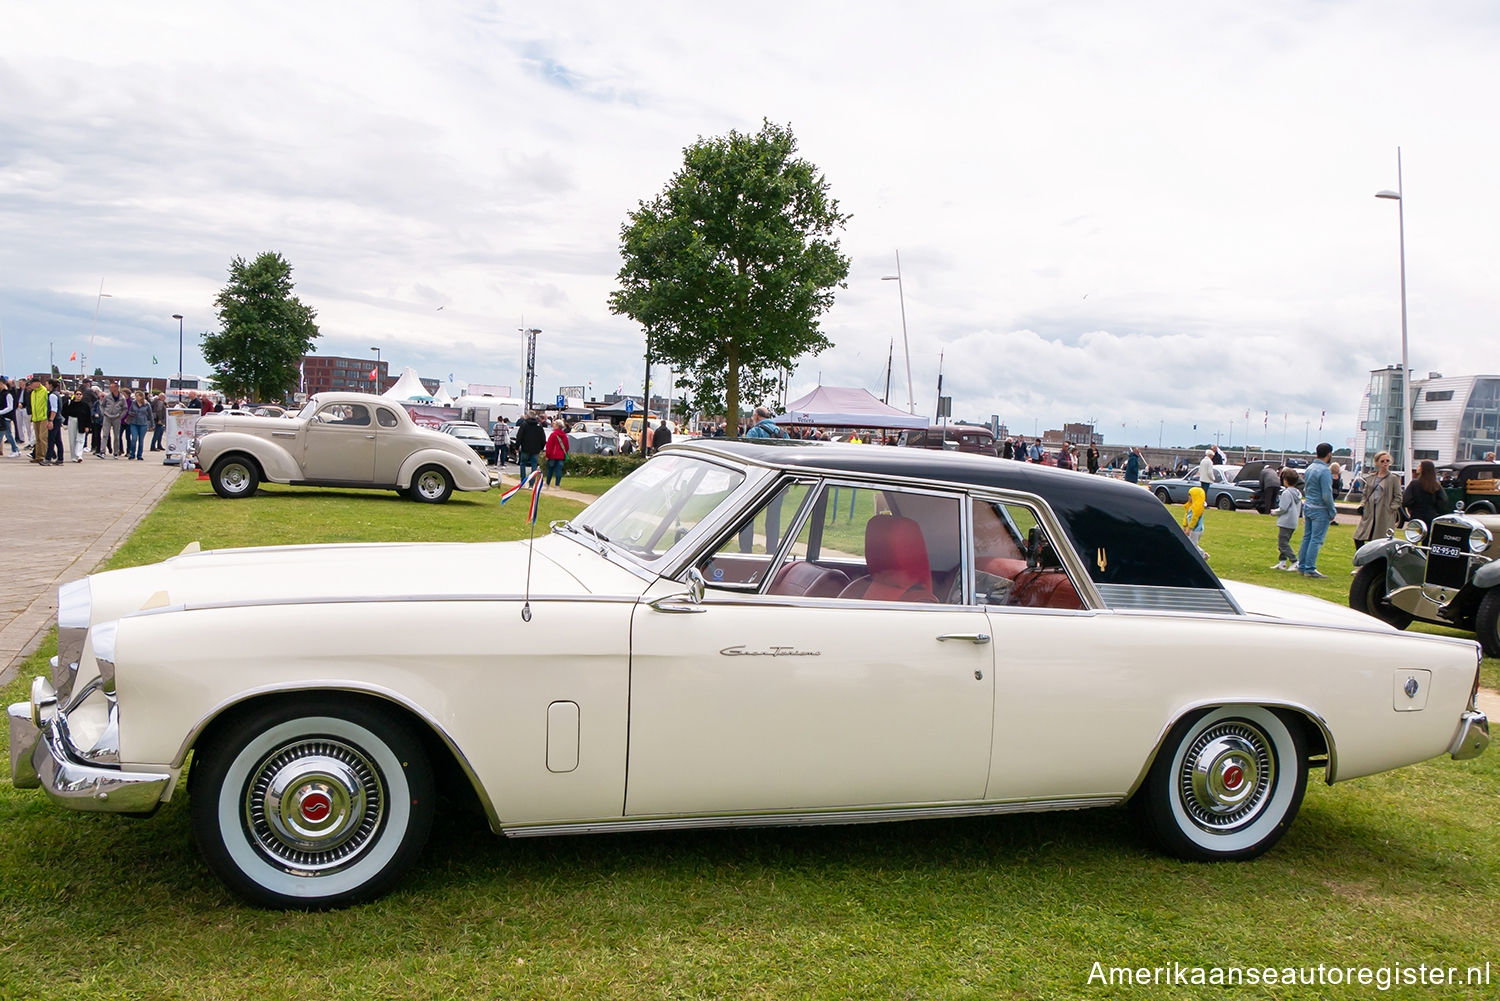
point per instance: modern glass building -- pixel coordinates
(1453, 418)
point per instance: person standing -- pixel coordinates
(8, 414)
(557, 454)
(530, 441)
(1270, 486)
(1317, 511)
(1192, 518)
(137, 423)
(662, 438)
(500, 434)
(1065, 457)
(1206, 471)
(112, 407)
(764, 426)
(1425, 498)
(37, 407)
(1288, 513)
(79, 420)
(1133, 466)
(1092, 458)
(158, 421)
(22, 416)
(1381, 508)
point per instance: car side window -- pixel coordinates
(867, 543)
(744, 557)
(345, 415)
(386, 418)
(1016, 561)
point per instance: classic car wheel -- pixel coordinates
(1163, 495)
(1487, 623)
(431, 485)
(1224, 503)
(1479, 507)
(325, 809)
(1225, 785)
(234, 476)
(1367, 594)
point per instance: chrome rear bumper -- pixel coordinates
(41, 756)
(1473, 736)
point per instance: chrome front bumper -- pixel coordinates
(41, 755)
(1473, 736)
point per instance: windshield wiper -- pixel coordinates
(592, 531)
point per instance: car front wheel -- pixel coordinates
(317, 806)
(431, 485)
(1163, 495)
(234, 476)
(1487, 623)
(1226, 785)
(1224, 503)
(1367, 594)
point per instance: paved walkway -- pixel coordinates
(61, 522)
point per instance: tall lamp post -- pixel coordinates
(1406, 450)
(911, 403)
(530, 333)
(377, 372)
(178, 318)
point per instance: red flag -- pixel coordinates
(372, 374)
(73, 356)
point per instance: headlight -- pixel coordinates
(1480, 539)
(1414, 531)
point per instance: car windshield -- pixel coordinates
(650, 510)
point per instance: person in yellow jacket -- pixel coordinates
(41, 419)
(1192, 520)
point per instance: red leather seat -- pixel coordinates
(1043, 589)
(896, 556)
(808, 580)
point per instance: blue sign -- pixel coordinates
(562, 401)
(629, 406)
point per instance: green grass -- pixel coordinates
(1398, 867)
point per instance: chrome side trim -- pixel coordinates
(876, 815)
(518, 598)
(1329, 772)
(1473, 736)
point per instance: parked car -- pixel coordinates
(736, 634)
(954, 437)
(1447, 573)
(603, 429)
(1223, 493)
(338, 439)
(589, 443)
(474, 436)
(1474, 484)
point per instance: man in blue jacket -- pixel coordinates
(1317, 511)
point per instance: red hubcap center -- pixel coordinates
(1234, 775)
(316, 806)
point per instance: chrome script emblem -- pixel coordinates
(775, 651)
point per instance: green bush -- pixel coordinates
(601, 465)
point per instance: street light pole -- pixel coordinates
(911, 402)
(530, 333)
(377, 370)
(178, 318)
(1406, 396)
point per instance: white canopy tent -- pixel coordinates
(408, 389)
(441, 398)
(851, 407)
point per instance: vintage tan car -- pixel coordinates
(337, 440)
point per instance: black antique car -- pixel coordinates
(1476, 484)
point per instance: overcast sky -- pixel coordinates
(1148, 214)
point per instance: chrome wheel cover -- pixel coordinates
(1226, 776)
(235, 477)
(314, 805)
(431, 483)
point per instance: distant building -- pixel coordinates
(1453, 418)
(325, 373)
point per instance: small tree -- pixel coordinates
(264, 330)
(729, 268)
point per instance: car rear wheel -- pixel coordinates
(431, 485)
(1479, 507)
(1224, 503)
(311, 806)
(234, 476)
(1226, 785)
(1487, 623)
(1367, 594)
(1163, 496)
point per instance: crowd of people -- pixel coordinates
(61, 425)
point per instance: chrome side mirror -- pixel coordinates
(696, 585)
(687, 601)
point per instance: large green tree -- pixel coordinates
(264, 330)
(730, 266)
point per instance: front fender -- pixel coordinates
(1488, 576)
(468, 473)
(1405, 564)
(277, 464)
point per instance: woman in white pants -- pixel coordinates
(79, 419)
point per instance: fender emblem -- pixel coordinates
(775, 651)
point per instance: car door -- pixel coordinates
(339, 444)
(772, 697)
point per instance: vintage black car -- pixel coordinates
(1476, 484)
(1447, 573)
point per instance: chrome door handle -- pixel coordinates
(978, 639)
(369, 436)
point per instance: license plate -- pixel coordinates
(1448, 556)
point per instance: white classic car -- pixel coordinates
(337, 440)
(737, 634)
